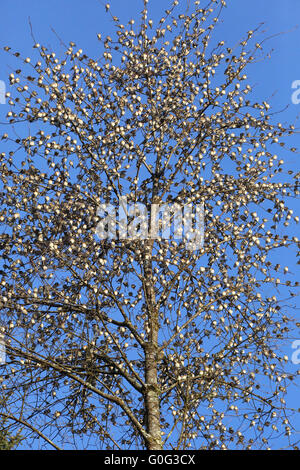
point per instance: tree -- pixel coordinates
(8, 439)
(144, 342)
(8, 442)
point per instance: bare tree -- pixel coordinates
(141, 342)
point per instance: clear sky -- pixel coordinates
(78, 21)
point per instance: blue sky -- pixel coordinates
(81, 21)
(78, 22)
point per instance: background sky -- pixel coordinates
(78, 21)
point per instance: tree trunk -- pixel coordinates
(152, 401)
(152, 391)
